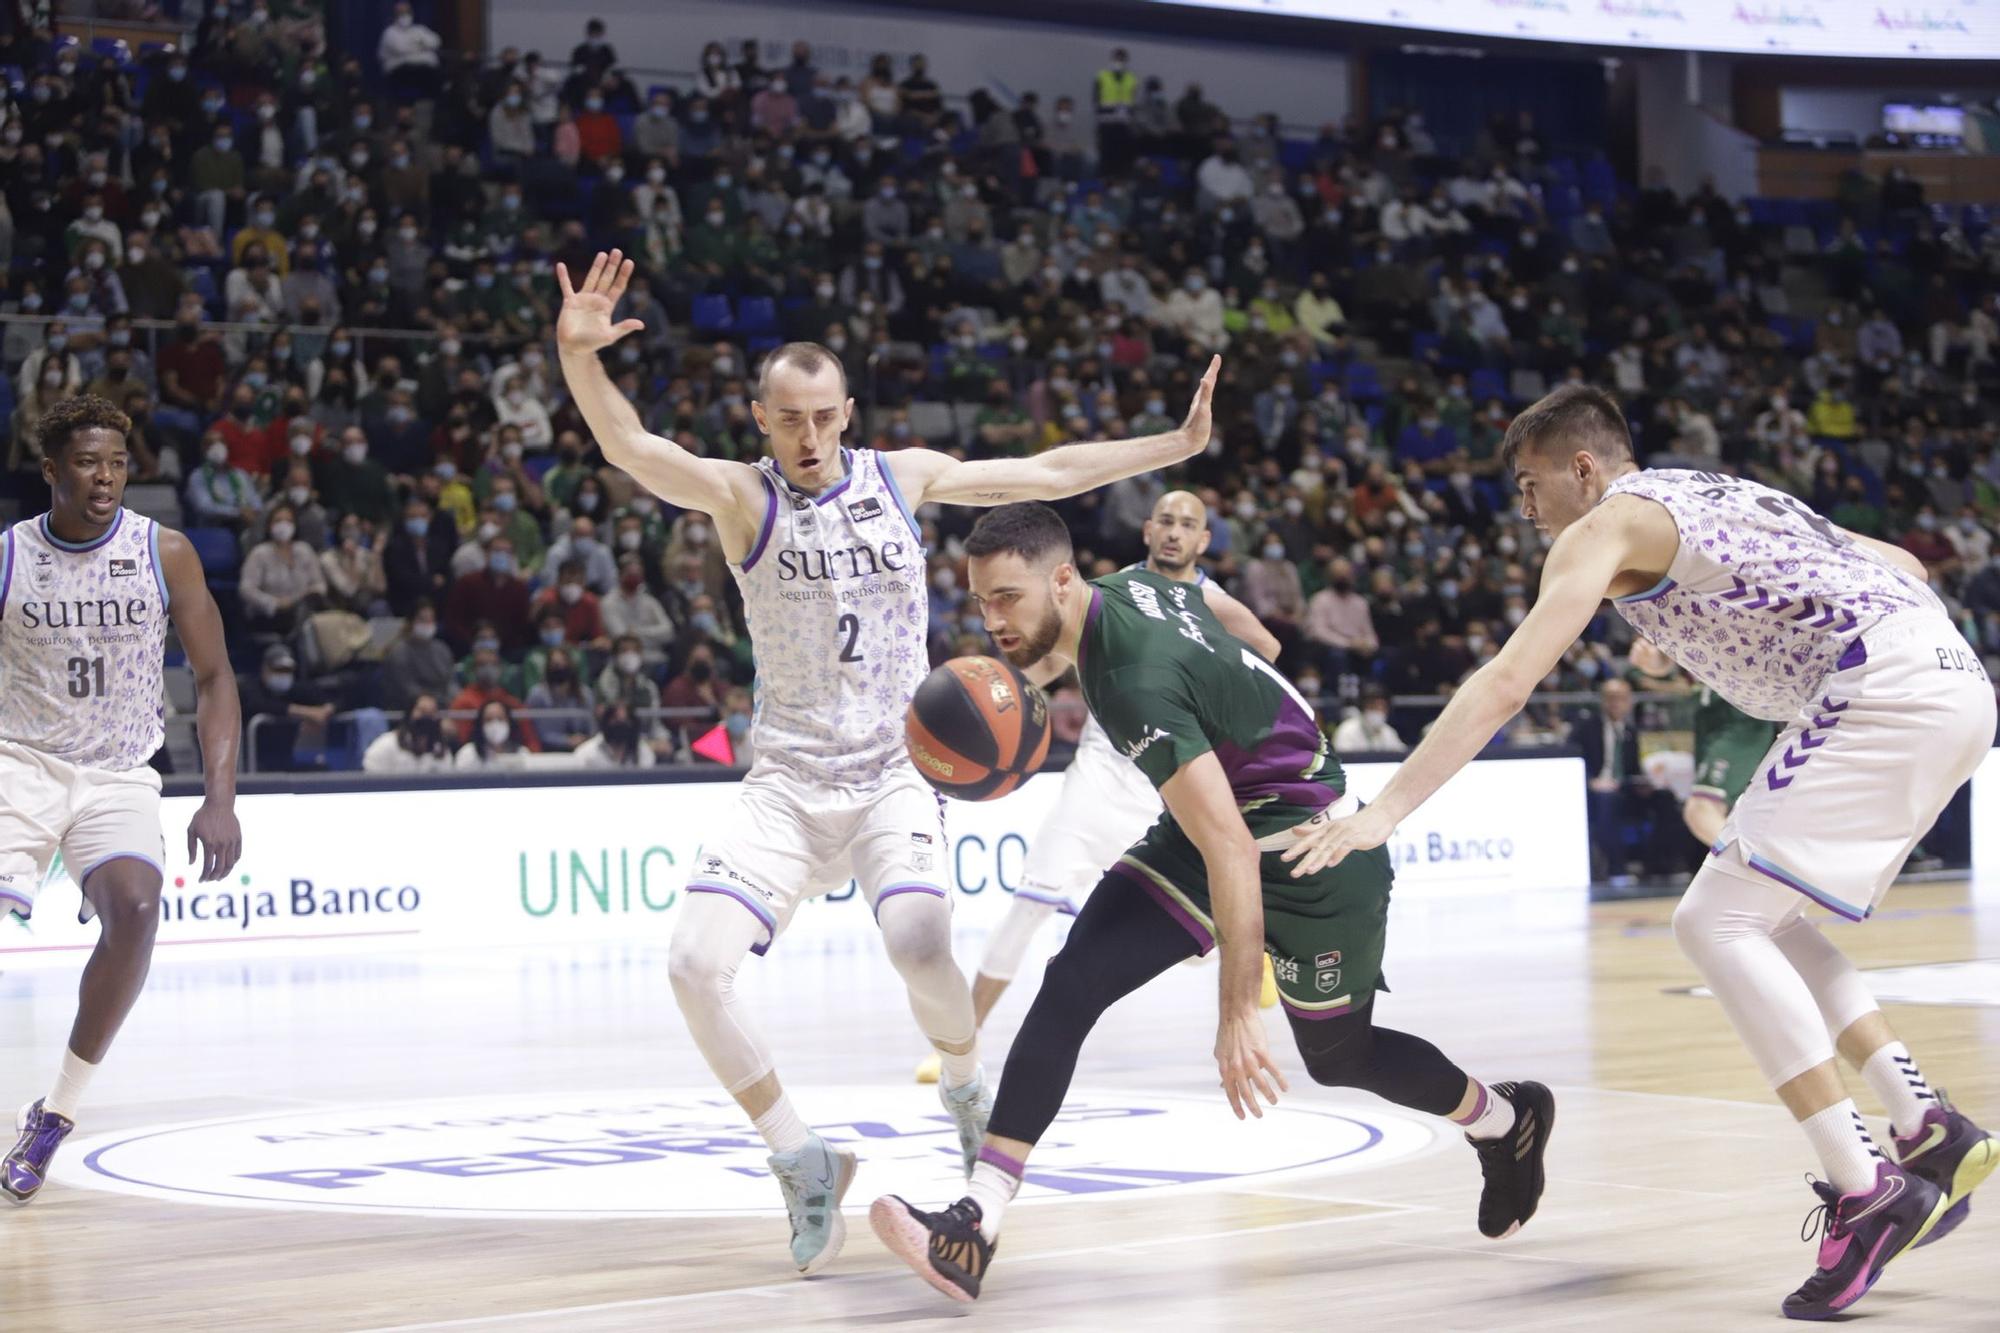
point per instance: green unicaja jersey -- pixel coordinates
(1169, 684)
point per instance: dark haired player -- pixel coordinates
(825, 545)
(1241, 762)
(85, 593)
(1886, 712)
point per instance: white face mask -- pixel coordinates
(497, 731)
(628, 662)
(282, 532)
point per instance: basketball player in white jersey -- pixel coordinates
(85, 593)
(1106, 803)
(1885, 711)
(825, 546)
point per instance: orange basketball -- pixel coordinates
(977, 729)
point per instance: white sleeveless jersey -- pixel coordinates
(83, 632)
(835, 592)
(1765, 598)
(1093, 737)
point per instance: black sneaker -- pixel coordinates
(1512, 1163)
(946, 1249)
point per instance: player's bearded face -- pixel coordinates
(1038, 637)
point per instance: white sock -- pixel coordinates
(71, 1080)
(781, 1127)
(1895, 1078)
(1844, 1147)
(955, 1071)
(1491, 1116)
(996, 1178)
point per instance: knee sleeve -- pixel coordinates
(1727, 924)
(1010, 939)
(1836, 984)
(1351, 1052)
(916, 931)
(709, 944)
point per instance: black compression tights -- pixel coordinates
(1122, 939)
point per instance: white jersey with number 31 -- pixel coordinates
(83, 632)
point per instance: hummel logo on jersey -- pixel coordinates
(124, 569)
(1138, 747)
(865, 508)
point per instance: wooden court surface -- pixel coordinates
(1675, 1199)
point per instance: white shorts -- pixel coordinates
(788, 838)
(1105, 807)
(90, 815)
(1855, 780)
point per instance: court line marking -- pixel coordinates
(1649, 1189)
(1486, 1253)
(766, 1289)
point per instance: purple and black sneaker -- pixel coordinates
(1859, 1234)
(26, 1168)
(1953, 1154)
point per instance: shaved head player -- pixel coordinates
(824, 544)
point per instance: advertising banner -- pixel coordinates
(373, 870)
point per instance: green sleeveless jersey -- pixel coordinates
(1169, 684)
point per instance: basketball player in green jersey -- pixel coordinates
(1729, 747)
(1241, 762)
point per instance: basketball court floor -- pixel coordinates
(526, 1139)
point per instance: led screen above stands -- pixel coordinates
(1947, 31)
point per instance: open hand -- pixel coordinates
(1196, 427)
(1328, 842)
(584, 324)
(1243, 1057)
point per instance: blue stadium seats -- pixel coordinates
(711, 314)
(757, 315)
(1485, 382)
(217, 549)
(1363, 383)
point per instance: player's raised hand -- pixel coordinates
(1196, 427)
(1327, 842)
(584, 325)
(220, 839)
(1243, 1057)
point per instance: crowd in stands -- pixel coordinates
(354, 400)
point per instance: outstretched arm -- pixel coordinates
(925, 476)
(1578, 576)
(728, 492)
(1240, 621)
(218, 717)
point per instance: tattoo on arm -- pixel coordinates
(990, 495)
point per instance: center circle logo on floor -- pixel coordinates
(687, 1154)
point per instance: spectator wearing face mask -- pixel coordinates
(696, 693)
(1338, 625)
(625, 678)
(351, 482)
(497, 745)
(514, 407)
(632, 612)
(295, 712)
(485, 686)
(353, 569)
(582, 546)
(281, 581)
(563, 691)
(496, 595)
(619, 742)
(417, 745)
(408, 54)
(417, 662)
(582, 612)
(1366, 729)
(218, 494)
(1272, 591)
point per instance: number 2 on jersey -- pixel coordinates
(850, 625)
(86, 677)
